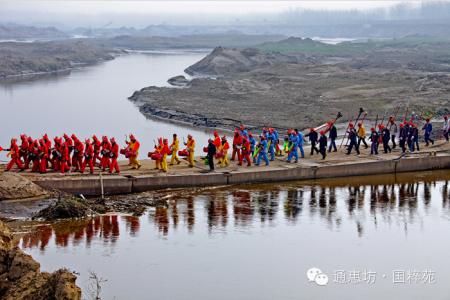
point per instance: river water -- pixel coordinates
(94, 100)
(379, 237)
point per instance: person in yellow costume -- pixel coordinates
(165, 151)
(224, 161)
(361, 135)
(174, 147)
(134, 146)
(190, 147)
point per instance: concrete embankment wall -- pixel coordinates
(91, 186)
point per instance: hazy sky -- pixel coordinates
(215, 7)
(142, 13)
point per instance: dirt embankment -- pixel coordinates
(262, 89)
(14, 186)
(21, 278)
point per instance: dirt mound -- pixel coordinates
(14, 186)
(65, 208)
(226, 61)
(20, 277)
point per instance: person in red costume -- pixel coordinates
(246, 151)
(43, 156)
(35, 156)
(78, 153)
(69, 144)
(88, 157)
(114, 154)
(14, 152)
(106, 148)
(23, 151)
(65, 157)
(56, 154)
(97, 148)
(237, 144)
(217, 141)
(48, 144)
(29, 157)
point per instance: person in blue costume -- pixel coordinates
(271, 144)
(262, 154)
(293, 144)
(252, 145)
(300, 142)
(428, 128)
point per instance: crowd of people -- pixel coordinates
(69, 153)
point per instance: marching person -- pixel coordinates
(361, 135)
(352, 137)
(97, 148)
(313, 138)
(293, 144)
(262, 151)
(323, 144)
(237, 144)
(190, 147)
(385, 137)
(300, 141)
(332, 136)
(134, 146)
(428, 128)
(224, 161)
(174, 147)
(246, 152)
(394, 131)
(89, 155)
(402, 137)
(14, 153)
(113, 155)
(165, 150)
(374, 138)
(212, 150)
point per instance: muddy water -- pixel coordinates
(385, 240)
(94, 100)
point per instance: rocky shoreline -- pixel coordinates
(21, 278)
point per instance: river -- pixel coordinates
(93, 100)
(380, 237)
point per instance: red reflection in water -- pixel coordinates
(106, 228)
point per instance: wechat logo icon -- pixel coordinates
(317, 276)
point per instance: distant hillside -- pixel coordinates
(20, 32)
(45, 57)
(189, 42)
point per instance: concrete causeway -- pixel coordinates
(336, 165)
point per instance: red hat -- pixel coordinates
(94, 137)
(427, 119)
(401, 125)
(132, 137)
(13, 140)
(224, 138)
(311, 130)
(322, 132)
(216, 133)
(372, 129)
(30, 139)
(359, 124)
(350, 125)
(87, 141)
(113, 140)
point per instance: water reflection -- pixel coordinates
(361, 206)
